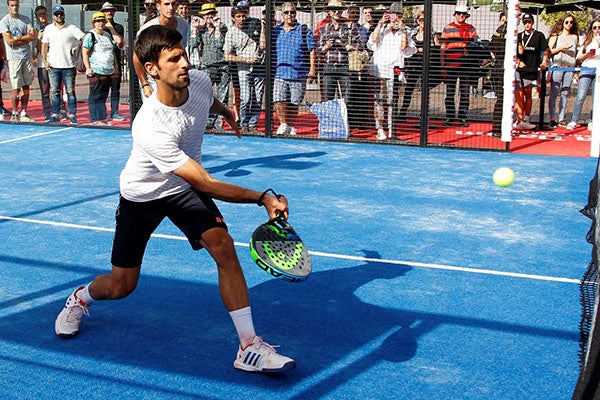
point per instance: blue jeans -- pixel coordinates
(561, 83)
(585, 81)
(44, 82)
(115, 92)
(219, 75)
(252, 86)
(58, 77)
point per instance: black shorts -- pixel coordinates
(191, 211)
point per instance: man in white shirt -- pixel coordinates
(164, 177)
(57, 42)
(18, 33)
(168, 17)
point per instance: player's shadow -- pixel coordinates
(182, 327)
(291, 161)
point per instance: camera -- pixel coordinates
(392, 16)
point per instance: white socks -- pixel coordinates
(242, 320)
(84, 295)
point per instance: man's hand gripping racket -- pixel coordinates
(277, 248)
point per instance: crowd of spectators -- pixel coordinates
(370, 56)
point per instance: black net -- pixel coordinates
(589, 342)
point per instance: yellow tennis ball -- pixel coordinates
(504, 177)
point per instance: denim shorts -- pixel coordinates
(289, 91)
(521, 83)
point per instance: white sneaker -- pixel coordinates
(590, 126)
(262, 357)
(381, 134)
(67, 323)
(571, 125)
(526, 125)
(292, 131)
(282, 129)
(25, 118)
(490, 95)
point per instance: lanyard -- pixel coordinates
(528, 39)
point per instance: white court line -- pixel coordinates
(329, 255)
(36, 135)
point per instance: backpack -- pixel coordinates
(78, 57)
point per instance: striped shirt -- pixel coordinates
(455, 38)
(164, 139)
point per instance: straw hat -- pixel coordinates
(335, 5)
(208, 8)
(98, 16)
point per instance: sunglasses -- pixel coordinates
(568, 22)
(59, 14)
(420, 19)
(595, 27)
(288, 12)
(149, 4)
(462, 13)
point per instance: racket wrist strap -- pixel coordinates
(262, 196)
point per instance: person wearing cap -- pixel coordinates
(295, 65)
(388, 42)
(453, 57)
(18, 33)
(99, 59)
(243, 47)
(532, 54)
(212, 31)
(168, 17)
(117, 31)
(58, 40)
(336, 39)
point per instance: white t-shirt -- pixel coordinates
(165, 138)
(592, 62)
(60, 42)
(387, 53)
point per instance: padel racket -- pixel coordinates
(277, 248)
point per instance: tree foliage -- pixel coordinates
(583, 19)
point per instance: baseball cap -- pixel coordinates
(57, 8)
(527, 17)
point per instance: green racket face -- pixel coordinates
(277, 249)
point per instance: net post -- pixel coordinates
(510, 57)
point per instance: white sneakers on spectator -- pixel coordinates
(381, 134)
(571, 125)
(285, 129)
(490, 95)
(524, 125)
(282, 130)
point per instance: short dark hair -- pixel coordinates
(38, 8)
(153, 40)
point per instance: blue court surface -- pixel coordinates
(429, 281)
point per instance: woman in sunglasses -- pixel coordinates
(589, 56)
(563, 42)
